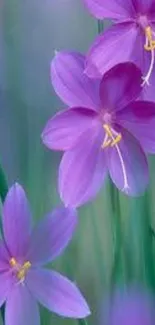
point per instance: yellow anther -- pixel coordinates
(27, 265)
(23, 270)
(151, 43)
(108, 130)
(113, 135)
(117, 140)
(13, 262)
(20, 270)
(21, 274)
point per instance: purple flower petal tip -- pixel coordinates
(58, 294)
(70, 83)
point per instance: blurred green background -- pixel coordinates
(114, 242)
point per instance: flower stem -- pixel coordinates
(82, 321)
(3, 185)
(100, 26)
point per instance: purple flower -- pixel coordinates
(101, 131)
(23, 280)
(129, 307)
(131, 38)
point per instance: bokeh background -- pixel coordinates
(114, 242)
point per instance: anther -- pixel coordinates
(22, 272)
(113, 135)
(108, 130)
(149, 46)
(117, 140)
(13, 262)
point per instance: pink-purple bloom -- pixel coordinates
(23, 253)
(103, 129)
(132, 306)
(131, 38)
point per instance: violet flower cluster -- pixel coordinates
(107, 128)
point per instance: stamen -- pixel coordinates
(20, 270)
(150, 43)
(149, 46)
(108, 130)
(115, 138)
(13, 262)
(111, 134)
(106, 142)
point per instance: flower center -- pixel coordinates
(112, 139)
(150, 47)
(20, 270)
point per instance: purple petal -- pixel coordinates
(16, 221)
(70, 82)
(82, 170)
(128, 165)
(148, 92)
(6, 285)
(21, 308)
(117, 44)
(57, 293)
(4, 257)
(143, 6)
(52, 235)
(130, 307)
(139, 119)
(120, 86)
(112, 9)
(63, 131)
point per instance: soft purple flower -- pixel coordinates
(132, 306)
(23, 280)
(101, 131)
(131, 38)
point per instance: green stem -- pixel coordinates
(98, 249)
(82, 321)
(100, 26)
(3, 185)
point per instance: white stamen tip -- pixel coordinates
(145, 81)
(126, 189)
